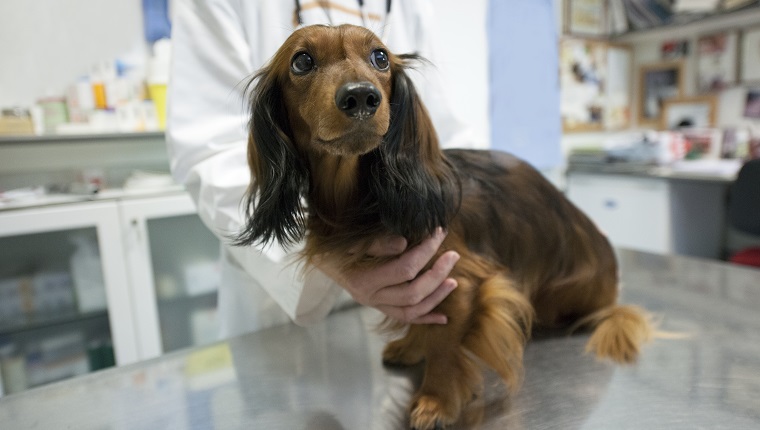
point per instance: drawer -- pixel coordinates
(634, 212)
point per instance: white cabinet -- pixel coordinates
(65, 294)
(633, 212)
(654, 214)
(173, 262)
(131, 276)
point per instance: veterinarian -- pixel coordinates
(217, 45)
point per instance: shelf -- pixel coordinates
(108, 194)
(68, 138)
(44, 321)
(186, 300)
(746, 16)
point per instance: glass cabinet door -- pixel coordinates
(173, 260)
(64, 304)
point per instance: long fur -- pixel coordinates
(406, 176)
(274, 207)
(528, 256)
(411, 181)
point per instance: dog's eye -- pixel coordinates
(302, 63)
(379, 59)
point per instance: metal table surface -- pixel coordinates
(329, 376)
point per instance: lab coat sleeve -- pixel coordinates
(207, 138)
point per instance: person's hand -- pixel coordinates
(396, 287)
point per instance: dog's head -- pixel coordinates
(336, 84)
(336, 97)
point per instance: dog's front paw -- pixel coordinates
(430, 413)
(401, 353)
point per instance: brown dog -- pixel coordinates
(343, 152)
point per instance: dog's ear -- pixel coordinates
(415, 185)
(274, 207)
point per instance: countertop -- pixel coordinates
(716, 171)
(329, 376)
(37, 198)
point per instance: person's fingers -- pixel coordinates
(426, 306)
(395, 287)
(421, 313)
(412, 293)
(431, 318)
(387, 246)
(408, 265)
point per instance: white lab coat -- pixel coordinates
(216, 46)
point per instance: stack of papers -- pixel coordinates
(688, 6)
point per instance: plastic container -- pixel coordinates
(87, 272)
(16, 122)
(158, 78)
(54, 113)
(12, 370)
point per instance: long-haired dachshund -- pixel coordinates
(343, 152)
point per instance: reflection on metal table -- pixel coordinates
(330, 376)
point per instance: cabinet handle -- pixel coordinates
(136, 227)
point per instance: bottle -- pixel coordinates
(12, 369)
(97, 79)
(55, 112)
(87, 273)
(158, 78)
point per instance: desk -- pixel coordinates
(656, 209)
(329, 376)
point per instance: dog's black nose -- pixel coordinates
(358, 100)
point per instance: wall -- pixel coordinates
(646, 50)
(47, 44)
(52, 42)
(646, 47)
(56, 41)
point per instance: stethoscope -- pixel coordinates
(362, 12)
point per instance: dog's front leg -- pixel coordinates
(407, 351)
(451, 376)
(488, 319)
(450, 380)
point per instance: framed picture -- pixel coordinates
(585, 17)
(674, 49)
(702, 143)
(735, 4)
(595, 85)
(657, 84)
(750, 56)
(729, 143)
(753, 151)
(617, 112)
(752, 107)
(716, 61)
(690, 112)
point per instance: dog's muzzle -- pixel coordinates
(358, 100)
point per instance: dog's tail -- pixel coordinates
(619, 332)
